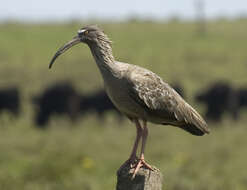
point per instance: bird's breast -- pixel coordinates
(117, 90)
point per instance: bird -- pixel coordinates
(138, 93)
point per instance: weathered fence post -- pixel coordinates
(145, 179)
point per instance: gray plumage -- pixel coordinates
(140, 93)
(137, 92)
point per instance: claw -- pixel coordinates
(141, 163)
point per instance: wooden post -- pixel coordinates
(145, 179)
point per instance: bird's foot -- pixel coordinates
(141, 163)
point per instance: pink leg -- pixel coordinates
(141, 161)
(144, 139)
(132, 159)
(137, 140)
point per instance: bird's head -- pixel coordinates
(89, 35)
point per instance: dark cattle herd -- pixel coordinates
(221, 98)
(10, 100)
(61, 99)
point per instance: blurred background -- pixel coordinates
(58, 129)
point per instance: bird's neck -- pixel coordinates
(102, 53)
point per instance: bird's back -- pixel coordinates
(145, 95)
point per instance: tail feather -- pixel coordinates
(192, 129)
(191, 120)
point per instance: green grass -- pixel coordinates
(87, 154)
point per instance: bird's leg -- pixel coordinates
(137, 140)
(133, 158)
(141, 161)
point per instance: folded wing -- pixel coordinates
(157, 97)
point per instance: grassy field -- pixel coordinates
(86, 154)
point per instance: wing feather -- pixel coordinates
(157, 97)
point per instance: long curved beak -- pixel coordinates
(61, 50)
